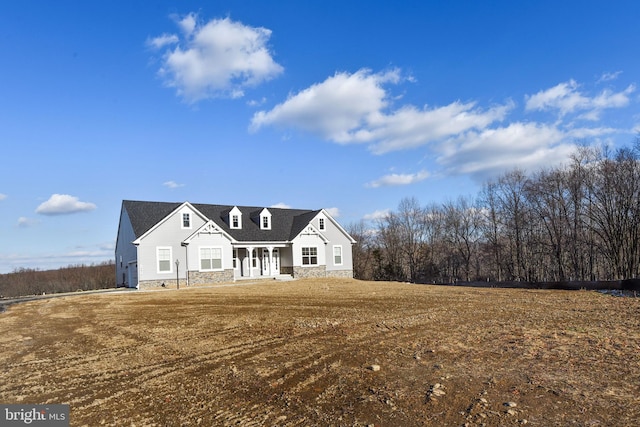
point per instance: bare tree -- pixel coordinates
(514, 211)
(463, 225)
(362, 250)
(615, 212)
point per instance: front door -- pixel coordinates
(270, 267)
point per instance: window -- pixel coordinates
(309, 256)
(164, 260)
(265, 219)
(321, 223)
(210, 259)
(186, 220)
(337, 255)
(254, 258)
(235, 258)
(235, 218)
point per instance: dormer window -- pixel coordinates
(235, 218)
(265, 219)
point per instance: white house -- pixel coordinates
(162, 243)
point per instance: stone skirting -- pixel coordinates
(208, 277)
(345, 274)
(319, 272)
(160, 284)
(309, 272)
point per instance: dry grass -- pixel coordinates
(300, 353)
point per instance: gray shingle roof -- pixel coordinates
(285, 223)
(144, 215)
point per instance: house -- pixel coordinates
(188, 243)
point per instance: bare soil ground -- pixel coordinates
(328, 353)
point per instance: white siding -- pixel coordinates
(210, 240)
(336, 237)
(169, 233)
(307, 241)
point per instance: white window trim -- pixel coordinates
(303, 256)
(265, 215)
(200, 258)
(182, 214)
(235, 212)
(235, 259)
(158, 249)
(341, 255)
(322, 223)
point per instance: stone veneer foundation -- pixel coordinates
(204, 278)
(158, 284)
(319, 272)
(309, 272)
(346, 274)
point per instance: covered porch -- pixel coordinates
(261, 261)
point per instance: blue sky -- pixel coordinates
(350, 106)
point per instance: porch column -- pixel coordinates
(250, 255)
(270, 249)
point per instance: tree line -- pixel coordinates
(27, 281)
(575, 222)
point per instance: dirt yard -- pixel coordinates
(328, 353)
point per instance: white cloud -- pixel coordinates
(334, 108)
(523, 145)
(61, 204)
(410, 127)
(379, 214)
(219, 58)
(398, 179)
(334, 212)
(566, 98)
(172, 184)
(563, 97)
(188, 23)
(280, 205)
(24, 222)
(3, 196)
(256, 102)
(606, 77)
(463, 137)
(351, 108)
(163, 40)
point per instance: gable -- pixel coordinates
(145, 215)
(209, 228)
